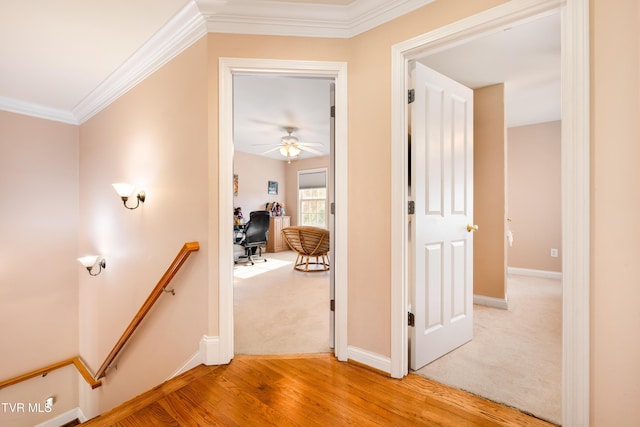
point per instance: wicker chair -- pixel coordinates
(308, 242)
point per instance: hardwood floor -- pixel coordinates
(305, 390)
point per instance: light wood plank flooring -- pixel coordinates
(305, 390)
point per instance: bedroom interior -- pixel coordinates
(281, 130)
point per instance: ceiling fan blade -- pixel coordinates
(311, 144)
(266, 122)
(272, 150)
(287, 128)
(311, 150)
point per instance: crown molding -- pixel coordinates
(281, 18)
(198, 17)
(365, 18)
(179, 33)
(36, 110)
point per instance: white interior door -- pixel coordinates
(441, 187)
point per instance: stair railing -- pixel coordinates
(146, 307)
(76, 361)
(95, 382)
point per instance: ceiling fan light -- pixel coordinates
(294, 151)
(290, 151)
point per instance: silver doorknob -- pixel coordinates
(471, 228)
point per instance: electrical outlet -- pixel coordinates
(48, 404)
(554, 253)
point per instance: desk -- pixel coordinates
(275, 241)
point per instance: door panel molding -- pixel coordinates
(438, 130)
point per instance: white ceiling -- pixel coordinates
(65, 60)
(263, 106)
(53, 53)
(526, 58)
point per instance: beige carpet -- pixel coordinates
(278, 310)
(515, 357)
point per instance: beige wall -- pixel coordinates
(615, 203)
(153, 136)
(489, 191)
(174, 109)
(254, 172)
(292, 170)
(38, 267)
(534, 196)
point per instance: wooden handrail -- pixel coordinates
(146, 307)
(76, 361)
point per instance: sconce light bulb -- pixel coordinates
(123, 189)
(90, 261)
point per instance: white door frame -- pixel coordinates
(227, 68)
(575, 182)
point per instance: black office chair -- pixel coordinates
(255, 235)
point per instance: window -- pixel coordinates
(312, 206)
(312, 197)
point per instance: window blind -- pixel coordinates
(315, 179)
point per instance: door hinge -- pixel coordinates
(411, 96)
(333, 111)
(411, 319)
(411, 209)
(332, 208)
(332, 305)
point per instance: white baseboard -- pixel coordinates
(210, 350)
(64, 418)
(370, 359)
(207, 354)
(534, 273)
(194, 361)
(491, 302)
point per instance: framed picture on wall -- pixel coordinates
(273, 187)
(235, 185)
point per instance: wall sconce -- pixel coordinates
(124, 190)
(90, 261)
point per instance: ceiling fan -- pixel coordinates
(290, 147)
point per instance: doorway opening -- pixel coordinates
(515, 92)
(575, 187)
(282, 158)
(228, 68)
